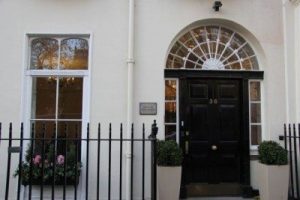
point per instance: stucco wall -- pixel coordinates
(157, 24)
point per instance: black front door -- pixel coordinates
(210, 111)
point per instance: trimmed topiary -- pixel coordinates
(168, 153)
(271, 153)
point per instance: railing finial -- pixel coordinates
(154, 130)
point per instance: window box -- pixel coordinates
(34, 167)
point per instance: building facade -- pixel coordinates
(218, 80)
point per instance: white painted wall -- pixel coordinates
(157, 25)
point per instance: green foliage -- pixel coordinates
(28, 153)
(271, 153)
(168, 153)
(73, 167)
(50, 153)
(71, 154)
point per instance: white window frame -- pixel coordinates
(254, 148)
(26, 97)
(177, 107)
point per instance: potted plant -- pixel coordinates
(61, 171)
(274, 171)
(169, 159)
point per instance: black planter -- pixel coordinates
(49, 181)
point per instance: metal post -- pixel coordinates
(54, 162)
(131, 171)
(121, 160)
(153, 158)
(31, 162)
(291, 161)
(76, 161)
(43, 162)
(296, 157)
(8, 162)
(98, 161)
(109, 163)
(20, 161)
(143, 163)
(87, 162)
(65, 161)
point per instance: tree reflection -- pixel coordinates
(74, 54)
(44, 53)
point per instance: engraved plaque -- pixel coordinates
(148, 108)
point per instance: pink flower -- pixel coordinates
(60, 159)
(37, 159)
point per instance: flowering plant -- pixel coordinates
(55, 168)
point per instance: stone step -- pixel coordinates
(213, 190)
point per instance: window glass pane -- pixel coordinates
(70, 98)
(255, 91)
(170, 61)
(255, 134)
(255, 113)
(215, 45)
(185, 37)
(60, 130)
(177, 62)
(39, 128)
(67, 129)
(43, 97)
(254, 63)
(248, 50)
(170, 90)
(170, 131)
(44, 54)
(212, 32)
(170, 112)
(74, 54)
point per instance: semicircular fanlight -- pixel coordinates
(212, 48)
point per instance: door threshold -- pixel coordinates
(213, 190)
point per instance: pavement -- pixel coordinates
(218, 198)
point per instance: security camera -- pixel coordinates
(217, 5)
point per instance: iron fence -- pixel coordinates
(291, 140)
(57, 160)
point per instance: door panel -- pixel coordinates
(211, 110)
(198, 90)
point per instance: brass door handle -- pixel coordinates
(214, 147)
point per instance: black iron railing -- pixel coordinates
(45, 168)
(291, 140)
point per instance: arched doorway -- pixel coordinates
(214, 68)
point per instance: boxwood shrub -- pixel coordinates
(271, 153)
(168, 153)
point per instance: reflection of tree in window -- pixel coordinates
(44, 53)
(74, 54)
